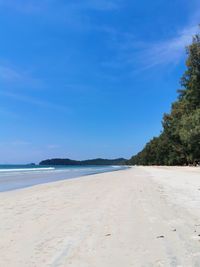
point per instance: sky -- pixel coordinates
(88, 78)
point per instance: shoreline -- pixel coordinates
(141, 216)
(23, 178)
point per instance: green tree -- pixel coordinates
(179, 142)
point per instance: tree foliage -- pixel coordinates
(179, 142)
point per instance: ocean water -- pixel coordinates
(14, 177)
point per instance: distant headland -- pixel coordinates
(98, 161)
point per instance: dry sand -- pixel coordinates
(144, 216)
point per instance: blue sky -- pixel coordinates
(85, 79)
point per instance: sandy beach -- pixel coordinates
(143, 216)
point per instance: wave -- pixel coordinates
(27, 169)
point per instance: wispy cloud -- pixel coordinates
(20, 143)
(138, 55)
(23, 6)
(77, 15)
(35, 101)
(5, 112)
(35, 6)
(9, 74)
(17, 77)
(170, 51)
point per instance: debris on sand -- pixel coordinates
(108, 235)
(160, 236)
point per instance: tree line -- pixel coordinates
(179, 141)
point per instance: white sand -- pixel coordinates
(144, 216)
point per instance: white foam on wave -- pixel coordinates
(27, 169)
(115, 166)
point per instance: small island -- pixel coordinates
(69, 162)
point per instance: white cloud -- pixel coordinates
(138, 56)
(169, 51)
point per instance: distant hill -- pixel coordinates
(98, 161)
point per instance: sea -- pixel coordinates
(13, 177)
